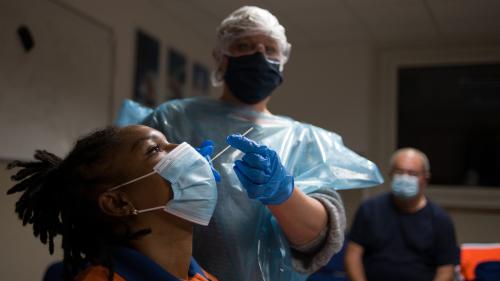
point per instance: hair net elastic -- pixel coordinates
(246, 21)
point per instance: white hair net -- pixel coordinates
(250, 20)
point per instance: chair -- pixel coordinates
(473, 254)
(488, 271)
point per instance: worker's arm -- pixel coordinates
(294, 216)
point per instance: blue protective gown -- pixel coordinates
(243, 241)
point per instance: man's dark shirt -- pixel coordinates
(403, 246)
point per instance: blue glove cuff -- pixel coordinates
(206, 149)
(282, 194)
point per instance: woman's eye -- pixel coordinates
(154, 149)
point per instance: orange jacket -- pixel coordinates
(100, 273)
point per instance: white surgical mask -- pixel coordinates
(404, 186)
(192, 181)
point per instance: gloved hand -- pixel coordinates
(206, 149)
(261, 172)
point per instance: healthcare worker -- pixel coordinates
(278, 215)
(124, 201)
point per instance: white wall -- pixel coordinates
(330, 87)
(124, 18)
(476, 225)
(60, 89)
(23, 257)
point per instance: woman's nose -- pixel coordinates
(170, 146)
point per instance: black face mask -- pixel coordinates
(252, 78)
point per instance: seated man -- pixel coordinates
(402, 235)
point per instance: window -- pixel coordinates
(452, 113)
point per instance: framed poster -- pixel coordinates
(146, 70)
(201, 79)
(176, 74)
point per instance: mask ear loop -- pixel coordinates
(136, 212)
(131, 181)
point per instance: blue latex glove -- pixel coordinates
(260, 172)
(206, 149)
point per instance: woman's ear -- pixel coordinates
(116, 204)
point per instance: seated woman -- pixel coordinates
(124, 201)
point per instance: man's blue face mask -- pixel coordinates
(404, 186)
(192, 181)
(252, 78)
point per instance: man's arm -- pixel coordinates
(445, 273)
(354, 262)
(448, 252)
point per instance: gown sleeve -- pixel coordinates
(311, 256)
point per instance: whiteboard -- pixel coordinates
(59, 90)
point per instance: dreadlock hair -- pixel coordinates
(59, 198)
